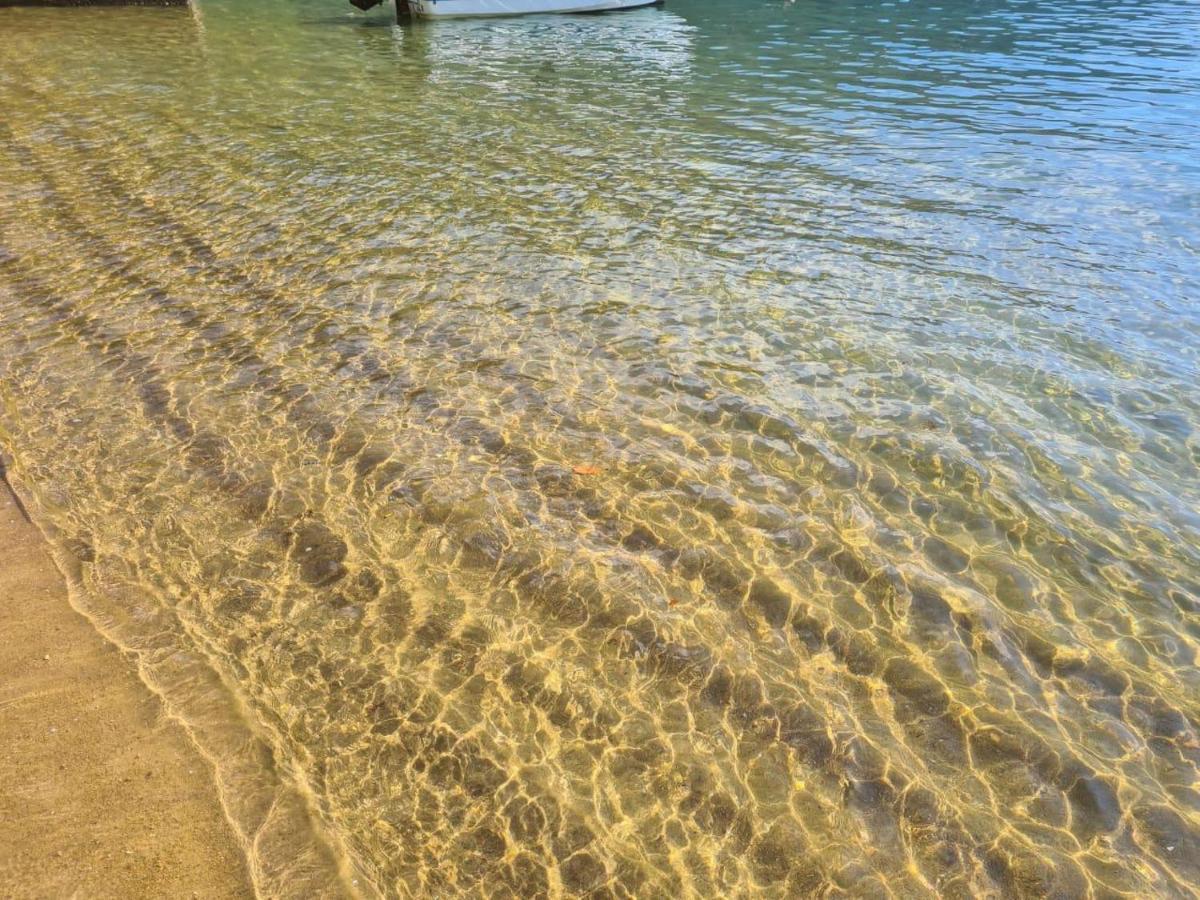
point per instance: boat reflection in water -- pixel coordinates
(647, 43)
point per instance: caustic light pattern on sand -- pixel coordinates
(775, 477)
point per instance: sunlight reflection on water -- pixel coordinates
(667, 453)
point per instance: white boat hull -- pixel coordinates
(447, 9)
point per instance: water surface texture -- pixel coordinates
(729, 450)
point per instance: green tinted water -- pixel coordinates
(728, 450)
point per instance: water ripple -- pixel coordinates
(642, 455)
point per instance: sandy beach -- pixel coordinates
(101, 795)
(705, 450)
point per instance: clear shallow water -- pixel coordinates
(715, 451)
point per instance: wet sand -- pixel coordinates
(101, 795)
